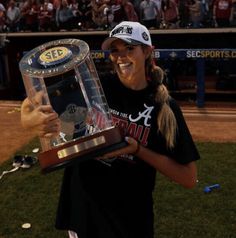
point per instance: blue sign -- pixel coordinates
(180, 54)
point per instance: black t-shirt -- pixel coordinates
(115, 201)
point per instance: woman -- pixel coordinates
(195, 13)
(131, 14)
(113, 199)
(45, 16)
(64, 16)
(149, 14)
(99, 10)
(170, 13)
(13, 16)
(29, 13)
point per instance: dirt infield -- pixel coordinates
(212, 123)
(13, 136)
(215, 124)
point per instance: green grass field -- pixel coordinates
(27, 196)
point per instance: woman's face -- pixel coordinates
(129, 63)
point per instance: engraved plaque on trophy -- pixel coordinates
(62, 73)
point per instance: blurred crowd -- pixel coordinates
(67, 15)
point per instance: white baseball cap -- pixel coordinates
(133, 33)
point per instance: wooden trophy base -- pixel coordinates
(81, 149)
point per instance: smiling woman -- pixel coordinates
(129, 62)
(111, 196)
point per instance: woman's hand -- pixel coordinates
(42, 119)
(131, 148)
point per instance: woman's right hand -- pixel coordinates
(41, 119)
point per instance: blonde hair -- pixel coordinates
(166, 120)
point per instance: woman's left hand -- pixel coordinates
(131, 148)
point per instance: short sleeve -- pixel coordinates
(185, 149)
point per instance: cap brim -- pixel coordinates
(107, 43)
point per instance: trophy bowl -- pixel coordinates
(62, 74)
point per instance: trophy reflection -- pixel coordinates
(62, 73)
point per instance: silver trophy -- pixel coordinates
(62, 73)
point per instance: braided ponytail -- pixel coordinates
(166, 120)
